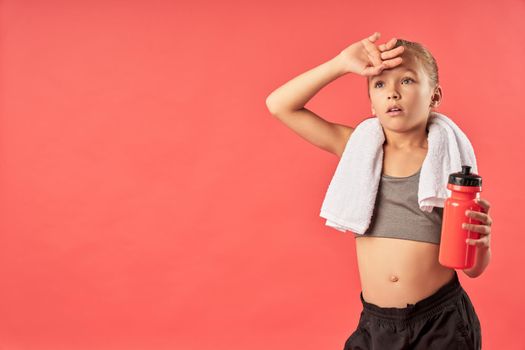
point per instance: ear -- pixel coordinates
(437, 97)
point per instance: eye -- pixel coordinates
(379, 81)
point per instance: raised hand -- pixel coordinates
(366, 58)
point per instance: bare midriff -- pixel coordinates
(396, 272)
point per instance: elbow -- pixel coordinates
(270, 105)
(275, 107)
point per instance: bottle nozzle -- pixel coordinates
(465, 169)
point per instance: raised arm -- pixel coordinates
(287, 102)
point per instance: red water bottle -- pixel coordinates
(454, 251)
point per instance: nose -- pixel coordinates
(394, 95)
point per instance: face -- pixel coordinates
(408, 86)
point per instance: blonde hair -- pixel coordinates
(423, 55)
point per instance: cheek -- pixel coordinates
(375, 98)
(416, 97)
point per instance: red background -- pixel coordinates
(149, 200)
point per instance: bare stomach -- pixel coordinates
(396, 272)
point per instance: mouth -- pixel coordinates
(394, 110)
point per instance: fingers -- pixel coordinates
(388, 45)
(483, 217)
(372, 71)
(481, 243)
(483, 229)
(382, 56)
(374, 36)
(393, 53)
(377, 69)
(484, 204)
(392, 63)
(374, 55)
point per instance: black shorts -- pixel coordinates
(444, 320)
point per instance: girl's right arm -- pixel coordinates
(287, 102)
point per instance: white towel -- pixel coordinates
(351, 195)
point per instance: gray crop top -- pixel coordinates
(397, 213)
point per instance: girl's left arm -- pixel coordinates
(483, 243)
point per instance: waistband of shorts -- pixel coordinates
(442, 298)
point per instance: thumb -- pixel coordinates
(374, 36)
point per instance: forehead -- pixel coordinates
(403, 68)
(411, 63)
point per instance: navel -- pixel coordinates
(394, 278)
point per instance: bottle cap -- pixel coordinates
(465, 178)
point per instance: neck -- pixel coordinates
(415, 138)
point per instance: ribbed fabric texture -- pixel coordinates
(397, 213)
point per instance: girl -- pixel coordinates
(410, 301)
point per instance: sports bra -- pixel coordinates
(397, 214)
